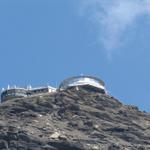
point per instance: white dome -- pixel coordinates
(82, 80)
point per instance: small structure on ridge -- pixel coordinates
(88, 82)
(17, 92)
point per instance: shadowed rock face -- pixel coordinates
(72, 120)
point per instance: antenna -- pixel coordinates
(29, 87)
(47, 84)
(8, 87)
(56, 85)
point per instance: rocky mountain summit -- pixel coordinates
(72, 120)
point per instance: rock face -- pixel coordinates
(72, 120)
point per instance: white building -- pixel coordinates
(79, 81)
(17, 92)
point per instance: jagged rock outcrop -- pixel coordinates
(72, 120)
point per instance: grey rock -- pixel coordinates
(73, 120)
(3, 144)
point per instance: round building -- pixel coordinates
(88, 82)
(13, 93)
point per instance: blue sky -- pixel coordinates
(47, 41)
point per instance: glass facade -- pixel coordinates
(13, 93)
(82, 80)
(23, 92)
